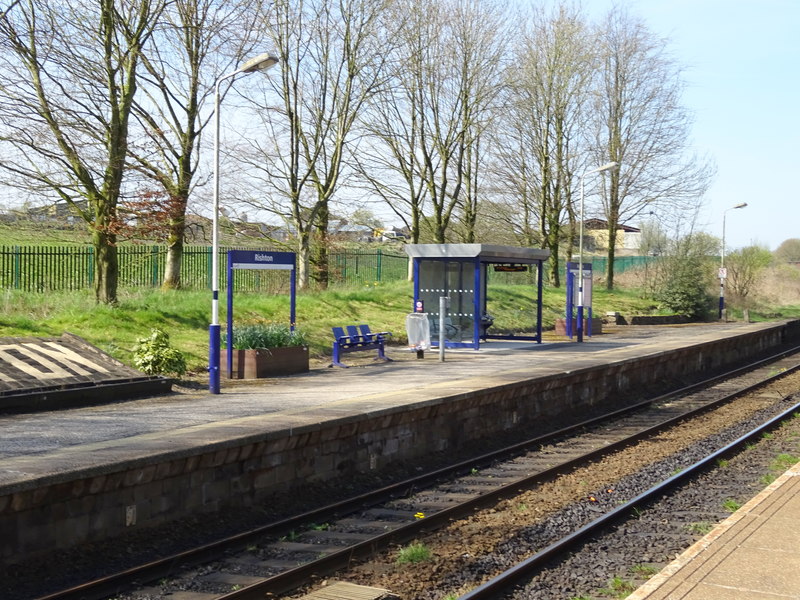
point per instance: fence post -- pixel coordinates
(90, 254)
(16, 267)
(154, 261)
(379, 265)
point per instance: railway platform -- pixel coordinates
(752, 555)
(73, 476)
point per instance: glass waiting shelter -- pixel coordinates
(461, 273)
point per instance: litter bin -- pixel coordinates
(419, 331)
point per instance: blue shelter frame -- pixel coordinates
(257, 259)
(459, 272)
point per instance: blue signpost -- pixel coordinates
(257, 260)
(574, 299)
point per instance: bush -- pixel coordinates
(248, 337)
(154, 356)
(684, 292)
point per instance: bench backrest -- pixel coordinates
(338, 332)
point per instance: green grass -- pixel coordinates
(27, 233)
(701, 528)
(618, 588)
(643, 571)
(782, 312)
(185, 315)
(768, 479)
(414, 553)
(731, 505)
(783, 462)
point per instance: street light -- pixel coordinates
(605, 167)
(262, 62)
(722, 273)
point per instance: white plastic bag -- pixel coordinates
(419, 331)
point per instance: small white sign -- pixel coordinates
(723, 272)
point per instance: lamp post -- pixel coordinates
(600, 169)
(262, 62)
(722, 273)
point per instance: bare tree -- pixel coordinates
(196, 42)
(745, 267)
(426, 130)
(541, 144)
(641, 124)
(70, 77)
(457, 79)
(332, 56)
(388, 162)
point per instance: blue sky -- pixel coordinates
(742, 60)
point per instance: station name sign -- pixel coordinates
(259, 259)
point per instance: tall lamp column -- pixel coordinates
(605, 167)
(723, 274)
(262, 62)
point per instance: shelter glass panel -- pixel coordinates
(455, 280)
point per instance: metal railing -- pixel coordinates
(54, 268)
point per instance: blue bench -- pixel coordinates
(356, 339)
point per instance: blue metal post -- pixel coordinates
(477, 304)
(415, 269)
(570, 304)
(229, 352)
(539, 302)
(293, 295)
(213, 358)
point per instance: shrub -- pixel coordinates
(154, 356)
(685, 291)
(272, 335)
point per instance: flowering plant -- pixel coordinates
(270, 335)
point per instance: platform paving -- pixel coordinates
(753, 555)
(43, 445)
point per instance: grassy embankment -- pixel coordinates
(185, 315)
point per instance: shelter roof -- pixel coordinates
(489, 253)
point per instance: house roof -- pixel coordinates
(601, 224)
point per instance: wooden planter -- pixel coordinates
(265, 362)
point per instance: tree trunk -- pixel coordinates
(106, 268)
(303, 261)
(172, 269)
(321, 250)
(612, 250)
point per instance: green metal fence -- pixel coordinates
(621, 263)
(52, 268)
(44, 269)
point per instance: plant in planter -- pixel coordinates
(264, 350)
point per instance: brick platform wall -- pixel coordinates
(244, 473)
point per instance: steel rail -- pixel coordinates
(282, 582)
(493, 588)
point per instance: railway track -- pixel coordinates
(287, 555)
(498, 586)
